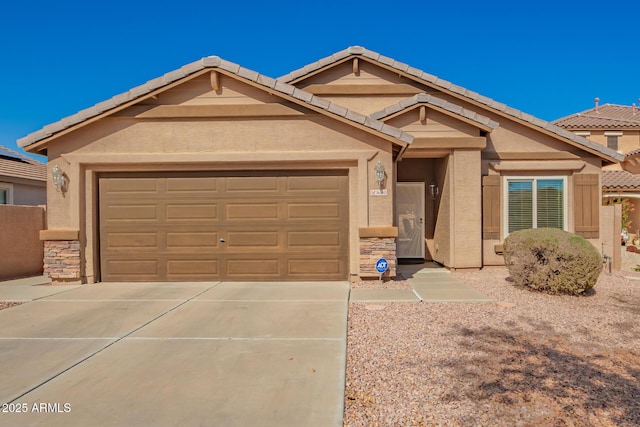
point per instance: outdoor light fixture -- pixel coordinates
(380, 174)
(434, 190)
(59, 178)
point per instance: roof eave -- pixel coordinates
(440, 105)
(34, 143)
(456, 92)
(85, 117)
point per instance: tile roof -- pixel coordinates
(17, 165)
(455, 90)
(632, 153)
(607, 116)
(425, 98)
(215, 62)
(620, 180)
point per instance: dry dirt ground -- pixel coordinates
(525, 359)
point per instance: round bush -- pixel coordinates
(552, 260)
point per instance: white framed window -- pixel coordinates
(6, 193)
(535, 202)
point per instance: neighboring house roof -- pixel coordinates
(214, 62)
(425, 98)
(620, 180)
(631, 160)
(607, 116)
(16, 165)
(454, 90)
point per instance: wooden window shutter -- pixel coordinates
(491, 207)
(586, 208)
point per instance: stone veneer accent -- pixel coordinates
(62, 260)
(374, 248)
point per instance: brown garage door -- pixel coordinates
(206, 226)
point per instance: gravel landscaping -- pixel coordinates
(524, 359)
(4, 305)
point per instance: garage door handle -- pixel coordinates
(222, 240)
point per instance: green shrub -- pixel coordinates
(552, 260)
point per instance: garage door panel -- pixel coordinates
(252, 211)
(168, 226)
(160, 240)
(313, 184)
(192, 268)
(197, 240)
(191, 212)
(131, 212)
(119, 186)
(242, 185)
(313, 239)
(260, 240)
(133, 267)
(313, 210)
(127, 240)
(241, 268)
(186, 187)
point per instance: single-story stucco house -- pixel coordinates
(216, 172)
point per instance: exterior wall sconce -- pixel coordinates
(380, 174)
(59, 179)
(434, 190)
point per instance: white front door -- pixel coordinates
(410, 219)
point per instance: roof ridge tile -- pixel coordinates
(266, 81)
(446, 85)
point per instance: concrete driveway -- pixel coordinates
(188, 354)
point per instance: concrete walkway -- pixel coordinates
(30, 289)
(167, 354)
(429, 284)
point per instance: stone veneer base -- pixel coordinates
(62, 261)
(374, 248)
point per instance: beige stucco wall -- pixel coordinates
(30, 195)
(26, 192)
(628, 141)
(467, 210)
(368, 74)
(435, 124)
(312, 141)
(21, 251)
(514, 137)
(343, 74)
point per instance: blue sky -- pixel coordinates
(549, 58)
